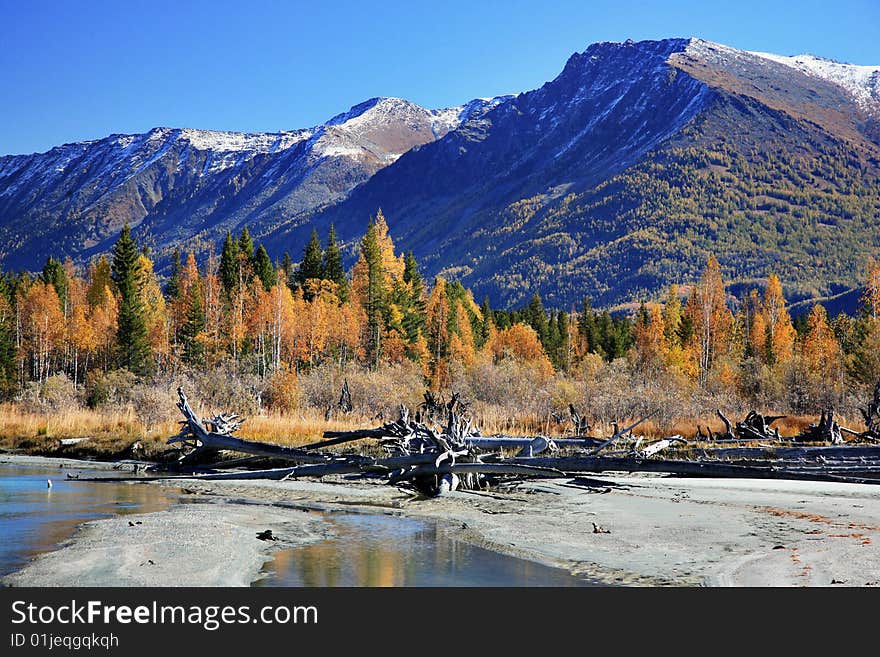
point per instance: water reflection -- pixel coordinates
(35, 518)
(373, 550)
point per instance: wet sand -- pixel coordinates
(623, 530)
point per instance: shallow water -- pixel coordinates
(35, 518)
(364, 550)
(379, 550)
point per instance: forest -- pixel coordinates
(101, 351)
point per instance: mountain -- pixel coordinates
(618, 178)
(184, 185)
(613, 180)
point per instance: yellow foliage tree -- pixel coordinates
(712, 319)
(779, 344)
(42, 328)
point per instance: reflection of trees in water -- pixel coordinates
(363, 555)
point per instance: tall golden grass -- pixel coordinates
(111, 432)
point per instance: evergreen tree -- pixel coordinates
(374, 301)
(8, 349)
(587, 329)
(311, 266)
(564, 349)
(264, 268)
(287, 267)
(412, 300)
(332, 269)
(246, 246)
(194, 326)
(54, 274)
(536, 317)
(133, 350)
(229, 266)
(172, 287)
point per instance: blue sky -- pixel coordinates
(80, 70)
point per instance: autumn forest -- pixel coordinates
(279, 339)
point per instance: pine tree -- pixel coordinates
(332, 269)
(287, 267)
(412, 300)
(563, 327)
(53, 274)
(172, 287)
(311, 266)
(8, 349)
(229, 265)
(133, 351)
(264, 268)
(193, 328)
(246, 246)
(536, 317)
(374, 299)
(588, 331)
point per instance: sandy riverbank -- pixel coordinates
(660, 531)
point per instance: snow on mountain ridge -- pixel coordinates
(861, 82)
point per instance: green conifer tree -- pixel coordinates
(536, 317)
(172, 287)
(264, 268)
(374, 301)
(311, 266)
(53, 273)
(332, 268)
(193, 326)
(133, 349)
(287, 268)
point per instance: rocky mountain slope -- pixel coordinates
(622, 174)
(184, 185)
(613, 180)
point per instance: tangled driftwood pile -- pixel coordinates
(439, 450)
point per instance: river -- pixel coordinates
(363, 549)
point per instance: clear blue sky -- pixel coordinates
(80, 70)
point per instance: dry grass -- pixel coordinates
(111, 433)
(298, 428)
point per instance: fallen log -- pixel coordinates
(502, 468)
(682, 467)
(660, 445)
(621, 432)
(195, 435)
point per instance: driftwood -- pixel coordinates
(449, 453)
(660, 445)
(826, 431)
(754, 427)
(621, 432)
(697, 468)
(871, 414)
(202, 441)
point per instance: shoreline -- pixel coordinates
(659, 531)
